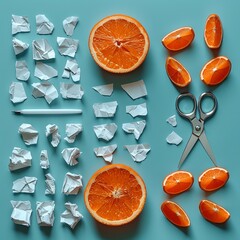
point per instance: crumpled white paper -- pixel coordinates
(24, 185)
(71, 91)
(69, 24)
(22, 72)
(44, 26)
(42, 50)
(70, 155)
(29, 134)
(20, 24)
(44, 162)
(72, 184)
(105, 131)
(104, 90)
(46, 90)
(50, 184)
(17, 92)
(20, 158)
(67, 46)
(173, 138)
(106, 152)
(45, 213)
(19, 46)
(134, 127)
(44, 71)
(172, 120)
(107, 109)
(72, 130)
(138, 152)
(21, 213)
(71, 216)
(135, 89)
(52, 129)
(137, 110)
(72, 69)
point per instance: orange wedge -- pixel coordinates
(119, 43)
(213, 32)
(215, 71)
(178, 39)
(213, 212)
(115, 195)
(177, 72)
(175, 214)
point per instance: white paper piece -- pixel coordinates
(50, 184)
(138, 152)
(106, 152)
(134, 127)
(44, 162)
(45, 213)
(29, 134)
(70, 155)
(71, 91)
(105, 131)
(172, 120)
(71, 216)
(52, 129)
(72, 130)
(136, 89)
(107, 109)
(44, 71)
(44, 26)
(72, 69)
(19, 46)
(20, 24)
(67, 46)
(20, 158)
(24, 185)
(72, 184)
(69, 24)
(21, 213)
(137, 110)
(42, 50)
(17, 92)
(104, 90)
(46, 90)
(22, 72)
(173, 138)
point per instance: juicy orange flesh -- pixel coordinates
(115, 194)
(118, 44)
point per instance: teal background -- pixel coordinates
(159, 17)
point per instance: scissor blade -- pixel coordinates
(206, 146)
(192, 141)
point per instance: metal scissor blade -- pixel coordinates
(192, 141)
(206, 146)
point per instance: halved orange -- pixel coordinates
(175, 214)
(119, 43)
(178, 39)
(177, 73)
(216, 70)
(213, 32)
(213, 212)
(115, 195)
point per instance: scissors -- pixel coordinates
(198, 132)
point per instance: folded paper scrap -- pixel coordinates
(105, 110)
(45, 213)
(29, 134)
(136, 128)
(52, 130)
(70, 155)
(44, 162)
(138, 152)
(105, 131)
(50, 184)
(72, 184)
(24, 185)
(72, 131)
(106, 152)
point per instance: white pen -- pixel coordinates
(48, 111)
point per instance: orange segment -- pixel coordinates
(177, 72)
(213, 31)
(178, 39)
(213, 179)
(115, 195)
(216, 70)
(213, 212)
(119, 43)
(175, 214)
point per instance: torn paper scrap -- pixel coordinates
(70, 155)
(19, 46)
(44, 162)
(172, 120)
(29, 134)
(138, 152)
(71, 216)
(72, 69)
(67, 46)
(42, 50)
(173, 138)
(20, 24)
(50, 184)
(52, 129)
(17, 92)
(134, 127)
(107, 109)
(69, 24)
(104, 90)
(44, 71)
(46, 90)
(106, 152)
(22, 72)
(136, 89)
(45, 213)
(71, 91)
(20, 158)
(105, 131)
(72, 130)
(24, 185)
(21, 214)
(44, 26)
(72, 184)
(137, 110)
